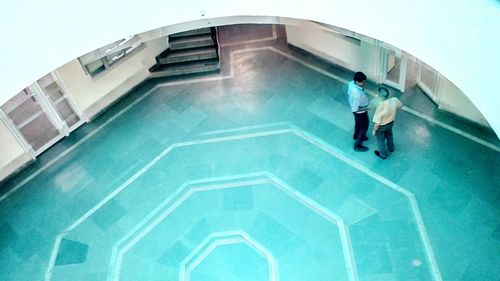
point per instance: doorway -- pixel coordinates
(40, 115)
(394, 64)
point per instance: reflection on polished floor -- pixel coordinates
(250, 175)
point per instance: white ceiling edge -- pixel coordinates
(460, 39)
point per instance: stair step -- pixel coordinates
(187, 42)
(206, 30)
(163, 70)
(184, 55)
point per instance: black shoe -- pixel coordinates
(361, 148)
(378, 154)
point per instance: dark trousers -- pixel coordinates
(361, 123)
(383, 134)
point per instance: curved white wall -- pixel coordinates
(460, 39)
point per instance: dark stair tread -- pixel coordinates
(179, 53)
(190, 39)
(184, 65)
(206, 30)
(182, 59)
(188, 52)
(186, 71)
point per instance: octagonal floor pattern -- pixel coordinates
(250, 176)
(295, 205)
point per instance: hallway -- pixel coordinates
(250, 175)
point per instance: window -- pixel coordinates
(103, 58)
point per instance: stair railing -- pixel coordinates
(215, 38)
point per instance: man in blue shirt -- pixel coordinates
(358, 102)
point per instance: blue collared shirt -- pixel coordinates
(358, 101)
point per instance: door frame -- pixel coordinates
(386, 50)
(48, 108)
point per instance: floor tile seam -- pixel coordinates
(268, 179)
(153, 89)
(179, 192)
(247, 128)
(96, 207)
(211, 237)
(451, 128)
(152, 220)
(74, 146)
(347, 250)
(100, 127)
(117, 259)
(371, 92)
(18, 186)
(53, 256)
(272, 261)
(436, 274)
(414, 112)
(365, 205)
(188, 265)
(424, 236)
(119, 253)
(203, 244)
(405, 108)
(233, 137)
(308, 203)
(273, 37)
(147, 167)
(130, 180)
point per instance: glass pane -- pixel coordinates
(95, 67)
(50, 87)
(46, 81)
(66, 113)
(393, 68)
(24, 111)
(90, 57)
(16, 101)
(72, 119)
(113, 58)
(39, 131)
(53, 91)
(411, 71)
(428, 76)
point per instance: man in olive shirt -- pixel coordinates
(383, 120)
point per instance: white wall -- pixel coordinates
(456, 38)
(451, 99)
(12, 155)
(365, 56)
(348, 53)
(93, 94)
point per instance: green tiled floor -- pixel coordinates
(252, 177)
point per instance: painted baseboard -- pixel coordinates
(15, 166)
(116, 94)
(474, 120)
(322, 55)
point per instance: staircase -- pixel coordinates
(190, 52)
